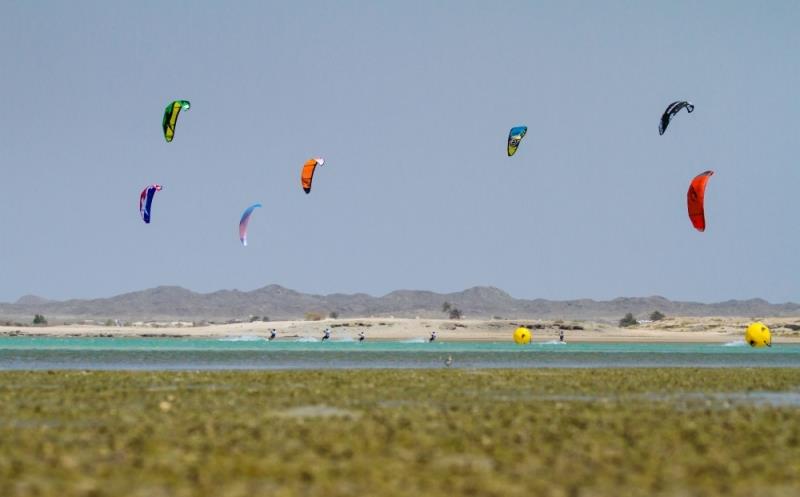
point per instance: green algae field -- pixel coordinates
(559, 432)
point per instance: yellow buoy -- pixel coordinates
(758, 335)
(522, 335)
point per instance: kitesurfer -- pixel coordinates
(361, 336)
(433, 336)
(273, 334)
(326, 334)
(561, 335)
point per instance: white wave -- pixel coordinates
(414, 340)
(554, 342)
(735, 343)
(344, 339)
(306, 339)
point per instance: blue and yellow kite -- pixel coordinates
(515, 136)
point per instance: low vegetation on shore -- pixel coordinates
(433, 432)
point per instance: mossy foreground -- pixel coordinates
(383, 433)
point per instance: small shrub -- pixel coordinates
(657, 316)
(253, 319)
(455, 313)
(446, 307)
(39, 319)
(628, 320)
(313, 316)
(333, 315)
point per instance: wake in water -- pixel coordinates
(414, 340)
(243, 338)
(306, 339)
(735, 343)
(344, 339)
(554, 342)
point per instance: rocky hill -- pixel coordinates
(277, 302)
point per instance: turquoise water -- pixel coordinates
(29, 353)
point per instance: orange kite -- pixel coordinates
(307, 174)
(695, 198)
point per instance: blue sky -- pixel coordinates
(410, 104)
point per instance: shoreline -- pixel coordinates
(672, 330)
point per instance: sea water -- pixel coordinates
(30, 353)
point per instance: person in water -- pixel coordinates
(433, 336)
(361, 336)
(272, 334)
(326, 334)
(561, 335)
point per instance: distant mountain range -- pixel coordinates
(278, 303)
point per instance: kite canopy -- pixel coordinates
(171, 117)
(307, 173)
(515, 136)
(244, 221)
(673, 109)
(146, 200)
(695, 198)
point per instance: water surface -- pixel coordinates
(31, 353)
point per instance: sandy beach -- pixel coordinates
(678, 329)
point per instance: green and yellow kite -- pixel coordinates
(171, 117)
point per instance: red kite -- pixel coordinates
(694, 200)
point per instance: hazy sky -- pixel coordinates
(410, 103)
